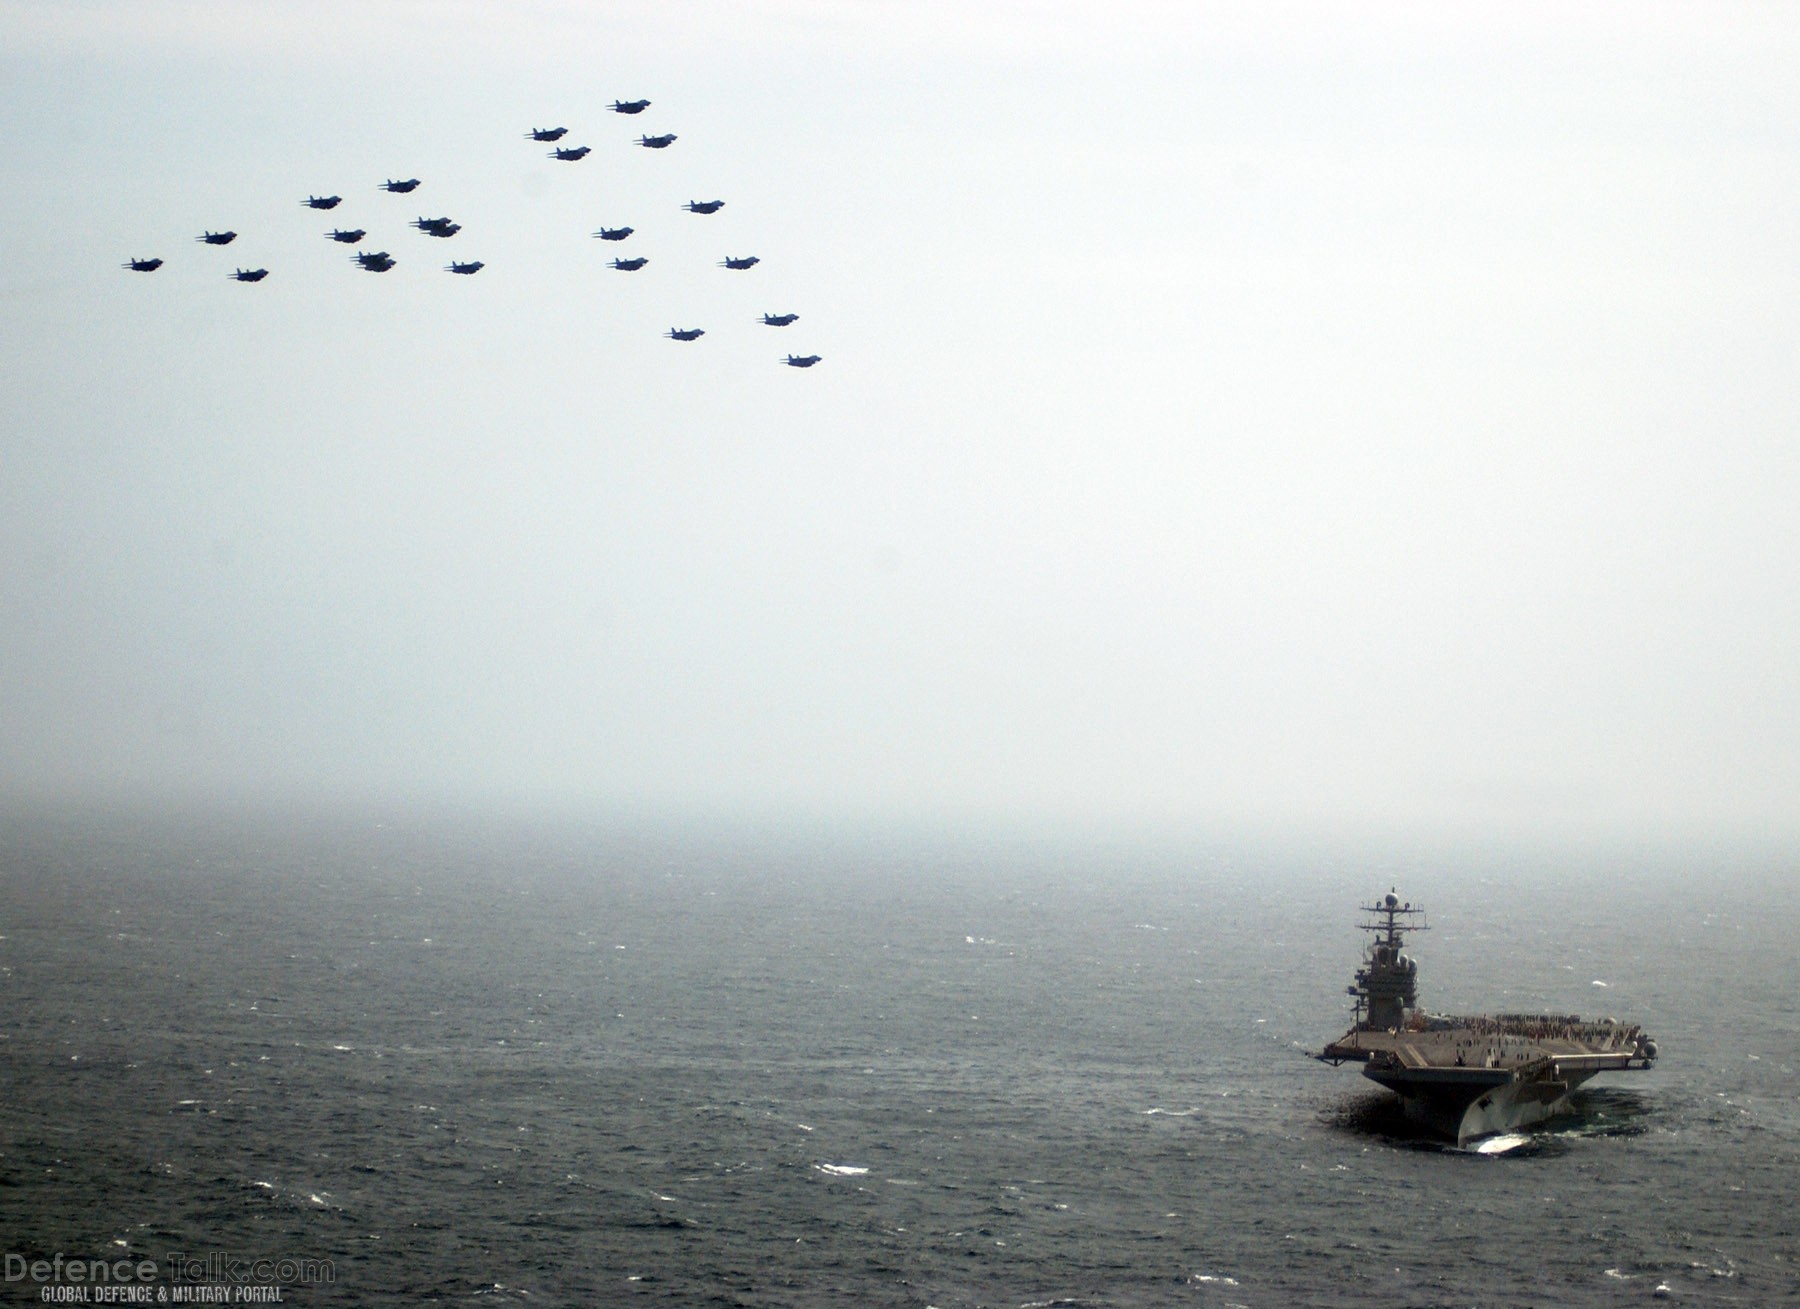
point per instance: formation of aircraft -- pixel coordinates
(380, 261)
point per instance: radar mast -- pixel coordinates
(1386, 987)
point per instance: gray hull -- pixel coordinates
(1482, 1103)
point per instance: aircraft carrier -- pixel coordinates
(1468, 1078)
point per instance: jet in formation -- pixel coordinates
(740, 262)
(400, 188)
(473, 266)
(780, 320)
(662, 142)
(685, 333)
(614, 233)
(144, 265)
(348, 238)
(437, 226)
(704, 206)
(249, 274)
(629, 265)
(322, 201)
(572, 154)
(630, 106)
(217, 238)
(547, 133)
(801, 361)
(374, 261)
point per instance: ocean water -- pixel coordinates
(557, 1064)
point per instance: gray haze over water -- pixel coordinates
(1230, 419)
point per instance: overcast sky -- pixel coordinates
(1376, 416)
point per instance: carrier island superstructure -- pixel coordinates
(1467, 1078)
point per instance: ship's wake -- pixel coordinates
(1505, 1143)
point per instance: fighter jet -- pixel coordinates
(322, 201)
(662, 142)
(779, 320)
(629, 265)
(740, 262)
(630, 106)
(437, 226)
(614, 233)
(547, 133)
(801, 361)
(249, 274)
(473, 266)
(401, 188)
(143, 265)
(685, 333)
(348, 238)
(571, 155)
(704, 206)
(374, 261)
(217, 238)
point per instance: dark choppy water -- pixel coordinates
(484, 1065)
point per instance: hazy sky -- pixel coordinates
(1380, 416)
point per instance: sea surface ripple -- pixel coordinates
(550, 1064)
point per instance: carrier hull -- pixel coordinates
(1464, 1109)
